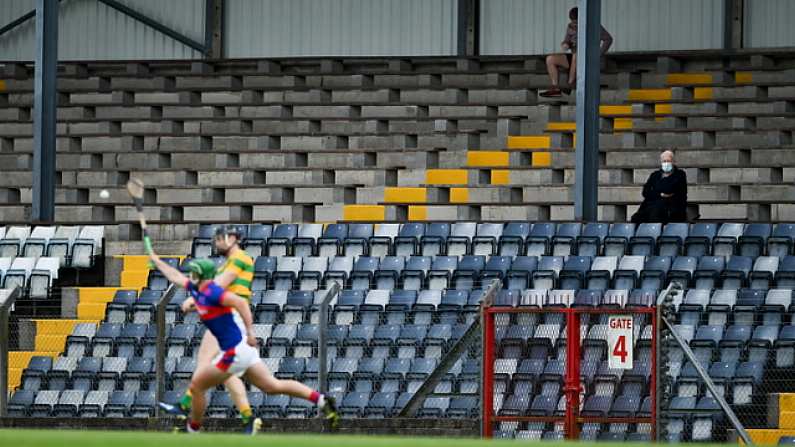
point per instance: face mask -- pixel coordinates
(667, 166)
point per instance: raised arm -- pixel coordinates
(172, 274)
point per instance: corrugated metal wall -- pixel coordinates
(90, 30)
(277, 28)
(769, 23)
(538, 26)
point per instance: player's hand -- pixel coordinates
(251, 340)
(189, 305)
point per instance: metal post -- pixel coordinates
(213, 28)
(710, 385)
(7, 299)
(733, 24)
(448, 360)
(160, 359)
(487, 368)
(655, 368)
(44, 110)
(572, 387)
(587, 151)
(468, 27)
(322, 349)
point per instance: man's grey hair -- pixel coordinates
(667, 151)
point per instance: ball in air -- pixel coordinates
(104, 194)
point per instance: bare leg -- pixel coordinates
(260, 377)
(573, 71)
(204, 378)
(237, 390)
(554, 61)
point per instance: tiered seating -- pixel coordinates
(411, 290)
(403, 140)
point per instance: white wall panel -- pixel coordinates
(89, 30)
(283, 28)
(769, 23)
(538, 26)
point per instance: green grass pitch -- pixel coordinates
(59, 438)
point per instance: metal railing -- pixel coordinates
(7, 299)
(322, 346)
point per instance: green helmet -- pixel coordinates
(202, 269)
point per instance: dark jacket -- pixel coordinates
(674, 209)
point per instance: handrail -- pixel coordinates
(322, 349)
(160, 358)
(5, 305)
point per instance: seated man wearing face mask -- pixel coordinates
(664, 194)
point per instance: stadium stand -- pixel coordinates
(428, 139)
(379, 146)
(386, 338)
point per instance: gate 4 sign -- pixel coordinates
(619, 341)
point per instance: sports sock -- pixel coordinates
(318, 399)
(195, 426)
(245, 415)
(186, 400)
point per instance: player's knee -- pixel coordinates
(196, 388)
(272, 386)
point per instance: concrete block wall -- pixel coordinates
(424, 139)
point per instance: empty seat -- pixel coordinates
(708, 272)
(765, 268)
(563, 243)
(486, 238)
(460, 241)
(617, 240)
(357, 242)
(513, 237)
(780, 242)
(304, 242)
(754, 239)
(672, 239)
(644, 241)
(408, 238)
(538, 242)
(281, 239)
(520, 275)
(381, 241)
(434, 241)
(725, 241)
(87, 245)
(699, 241)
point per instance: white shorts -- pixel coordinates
(238, 359)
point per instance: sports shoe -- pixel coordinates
(253, 427)
(173, 410)
(554, 92)
(329, 410)
(190, 430)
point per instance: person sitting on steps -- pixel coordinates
(569, 60)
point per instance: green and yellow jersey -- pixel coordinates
(243, 266)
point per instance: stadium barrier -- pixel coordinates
(322, 344)
(617, 342)
(7, 299)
